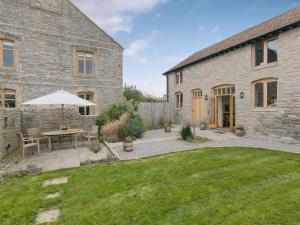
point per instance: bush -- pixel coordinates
(131, 93)
(115, 111)
(135, 126)
(186, 133)
(120, 120)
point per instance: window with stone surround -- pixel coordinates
(89, 110)
(7, 55)
(265, 93)
(179, 100)
(85, 64)
(179, 78)
(7, 98)
(265, 52)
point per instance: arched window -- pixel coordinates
(88, 110)
(265, 92)
(222, 90)
(179, 100)
(7, 98)
(7, 54)
(197, 93)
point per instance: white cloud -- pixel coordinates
(214, 30)
(116, 15)
(137, 47)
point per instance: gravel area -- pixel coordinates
(158, 143)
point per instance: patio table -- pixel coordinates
(61, 133)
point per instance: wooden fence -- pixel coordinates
(153, 113)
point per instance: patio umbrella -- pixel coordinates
(61, 98)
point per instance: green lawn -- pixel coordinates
(212, 186)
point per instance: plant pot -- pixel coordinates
(168, 129)
(239, 132)
(127, 146)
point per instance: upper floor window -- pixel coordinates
(85, 64)
(179, 78)
(265, 93)
(88, 110)
(7, 98)
(265, 52)
(7, 54)
(179, 100)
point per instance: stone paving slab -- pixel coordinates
(56, 181)
(54, 195)
(48, 216)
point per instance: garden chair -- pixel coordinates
(91, 135)
(28, 143)
(35, 133)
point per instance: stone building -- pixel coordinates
(251, 78)
(46, 46)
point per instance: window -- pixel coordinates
(179, 100)
(197, 93)
(179, 78)
(265, 52)
(7, 98)
(86, 111)
(85, 64)
(265, 93)
(7, 54)
(224, 90)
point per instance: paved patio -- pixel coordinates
(157, 142)
(59, 159)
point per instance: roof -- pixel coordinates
(285, 20)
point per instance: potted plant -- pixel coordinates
(168, 126)
(240, 130)
(128, 144)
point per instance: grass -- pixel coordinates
(212, 186)
(198, 139)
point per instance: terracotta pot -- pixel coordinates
(239, 132)
(127, 146)
(168, 129)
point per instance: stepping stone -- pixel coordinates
(56, 181)
(47, 216)
(52, 196)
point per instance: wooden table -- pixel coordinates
(62, 133)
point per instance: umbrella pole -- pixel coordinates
(63, 119)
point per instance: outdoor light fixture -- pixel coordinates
(242, 95)
(206, 97)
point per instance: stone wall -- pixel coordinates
(51, 119)
(235, 67)
(10, 124)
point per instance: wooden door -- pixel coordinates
(213, 112)
(232, 112)
(196, 110)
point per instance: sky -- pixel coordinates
(158, 34)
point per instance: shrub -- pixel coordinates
(112, 131)
(186, 133)
(135, 126)
(131, 93)
(115, 111)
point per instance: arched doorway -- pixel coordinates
(196, 105)
(221, 107)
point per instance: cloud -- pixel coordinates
(137, 47)
(214, 30)
(116, 15)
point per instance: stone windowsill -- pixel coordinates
(265, 110)
(265, 66)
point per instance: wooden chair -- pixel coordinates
(28, 142)
(91, 135)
